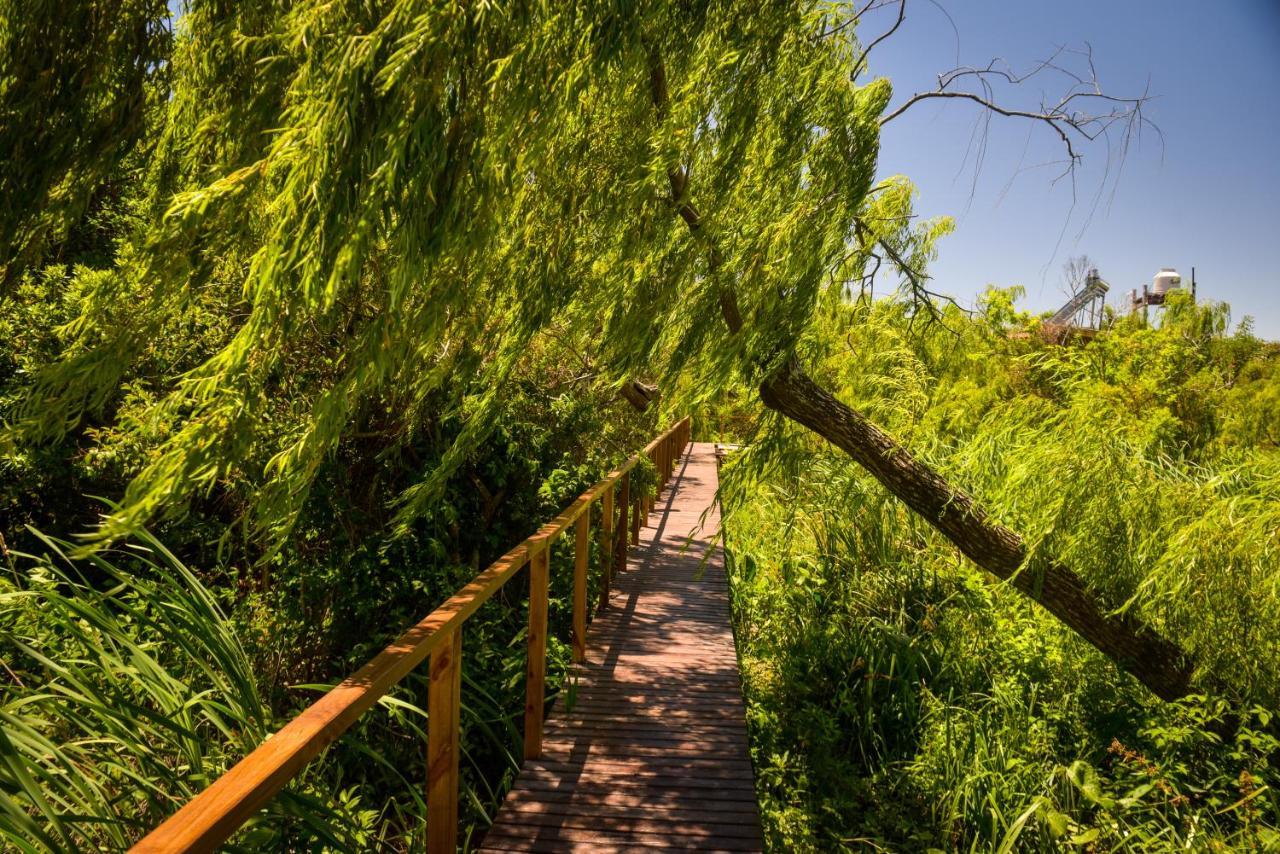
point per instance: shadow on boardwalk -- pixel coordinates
(653, 753)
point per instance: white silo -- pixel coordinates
(1166, 280)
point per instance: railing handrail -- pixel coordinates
(212, 816)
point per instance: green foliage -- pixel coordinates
(340, 590)
(127, 693)
(75, 82)
(304, 275)
(129, 690)
(900, 698)
(384, 209)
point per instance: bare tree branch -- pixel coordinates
(861, 64)
(1069, 117)
(854, 19)
(922, 297)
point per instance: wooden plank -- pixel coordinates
(653, 821)
(576, 733)
(654, 752)
(629, 803)
(580, 839)
(536, 663)
(443, 699)
(582, 781)
(617, 714)
(612, 774)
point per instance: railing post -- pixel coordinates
(659, 463)
(442, 745)
(624, 512)
(581, 548)
(536, 665)
(636, 520)
(657, 479)
(606, 544)
(646, 501)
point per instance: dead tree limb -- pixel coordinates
(1084, 113)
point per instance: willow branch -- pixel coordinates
(678, 178)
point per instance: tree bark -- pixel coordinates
(1135, 648)
(639, 394)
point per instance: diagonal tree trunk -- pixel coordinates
(1134, 647)
(1155, 662)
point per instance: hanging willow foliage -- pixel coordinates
(414, 190)
(74, 83)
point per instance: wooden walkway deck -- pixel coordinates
(653, 753)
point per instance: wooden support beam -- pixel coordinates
(624, 522)
(442, 745)
(635, 521)
(581, 551)
(606, 545)
(536, 665)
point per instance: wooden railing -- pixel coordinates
(212, 816)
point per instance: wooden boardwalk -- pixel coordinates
(653, 752)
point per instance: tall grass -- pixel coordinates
(126, 693)
(898, 699)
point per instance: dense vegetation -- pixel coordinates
(309, 310)
(898, 699)
(112, 725)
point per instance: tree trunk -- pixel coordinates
(639, 394)
(1155, 662)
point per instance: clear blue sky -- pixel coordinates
(1209, 197)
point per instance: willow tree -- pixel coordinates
(73, 103)
(417, 190)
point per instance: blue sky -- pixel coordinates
(1208, 197)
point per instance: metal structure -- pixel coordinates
(1083, 312)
